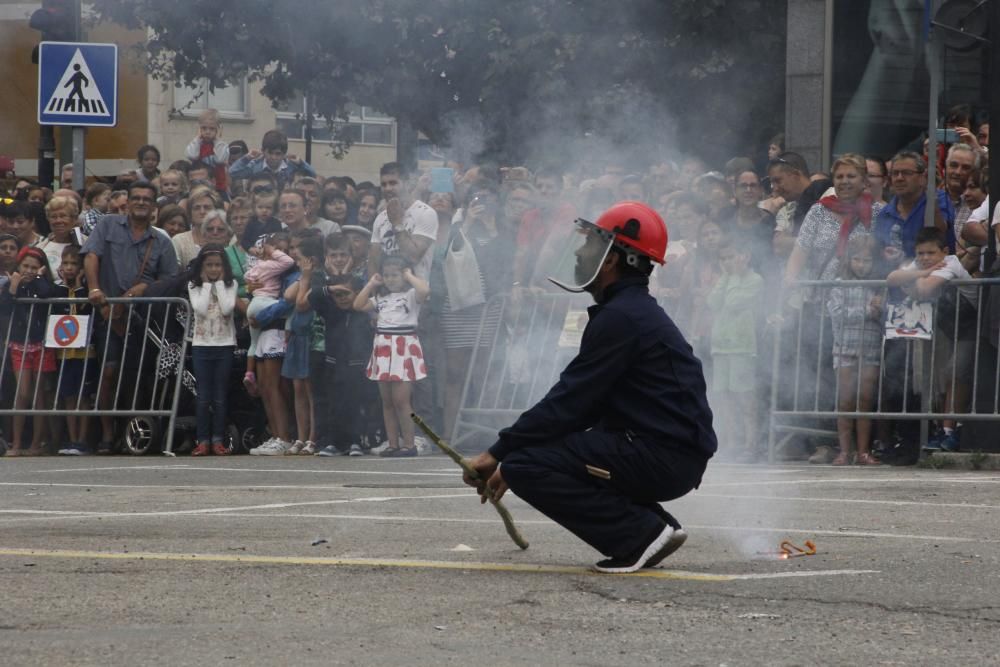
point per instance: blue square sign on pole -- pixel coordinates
(77, 84)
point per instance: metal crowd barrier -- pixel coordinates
(153, 334)
(525, 341)
(927, 353)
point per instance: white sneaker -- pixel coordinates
(423, 445)
(255, 452)
(308, 449)
(652, 554)
(273, 447)
(295, 448)
(356, 451)
(824, 454)
(381, 448)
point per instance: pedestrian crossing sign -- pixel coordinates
(77, 84)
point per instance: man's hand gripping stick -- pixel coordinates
(508, 520)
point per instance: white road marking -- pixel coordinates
(218, 510)
(190, 468)
(859, 501)
(247, 513)
(842, 533)
(105, 468)
(874, 480)
(208, 487)
(798, 573)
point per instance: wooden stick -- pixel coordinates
(508, 520)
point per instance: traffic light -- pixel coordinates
(57, 20)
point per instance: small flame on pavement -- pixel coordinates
(787, 550)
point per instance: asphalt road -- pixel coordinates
(301, 561)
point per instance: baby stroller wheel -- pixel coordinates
(141, 435)
(252, 437)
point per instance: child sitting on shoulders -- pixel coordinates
(210, 150)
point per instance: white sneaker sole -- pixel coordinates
(676, 541)
(652, 551)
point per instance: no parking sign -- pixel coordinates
(67, 331)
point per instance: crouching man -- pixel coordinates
(627, 425)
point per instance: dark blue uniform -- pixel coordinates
(632, 403)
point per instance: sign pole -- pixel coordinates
(79, 163)
(934, 65)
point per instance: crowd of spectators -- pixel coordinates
(351, 302)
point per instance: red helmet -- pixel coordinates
(637, 229)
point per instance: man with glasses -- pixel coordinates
(897, 224)
(122, 256)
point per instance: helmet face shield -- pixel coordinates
(580, 256)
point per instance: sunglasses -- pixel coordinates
(259, 189)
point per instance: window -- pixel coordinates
(230, 100)
(365, 125)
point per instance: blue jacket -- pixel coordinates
(634, 372)
(889, 218)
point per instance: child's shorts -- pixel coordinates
(31, 357)
(396, 358)
(271, 344)
(735, 373)
(72, 377)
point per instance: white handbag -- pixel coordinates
(461, 274)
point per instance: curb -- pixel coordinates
(961, 461)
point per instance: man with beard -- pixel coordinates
(627, 425)
(406, 227)
(122, 256)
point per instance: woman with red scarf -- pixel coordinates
(846, 212)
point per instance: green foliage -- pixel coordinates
(700, 75)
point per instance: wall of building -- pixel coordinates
(144, 110)
(171, 131)
(804, 79)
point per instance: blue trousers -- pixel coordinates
(616, 516)
(211, 371)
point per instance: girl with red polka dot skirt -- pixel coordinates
(397, 360)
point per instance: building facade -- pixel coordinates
(166, 116)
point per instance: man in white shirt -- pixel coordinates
(406, 227)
